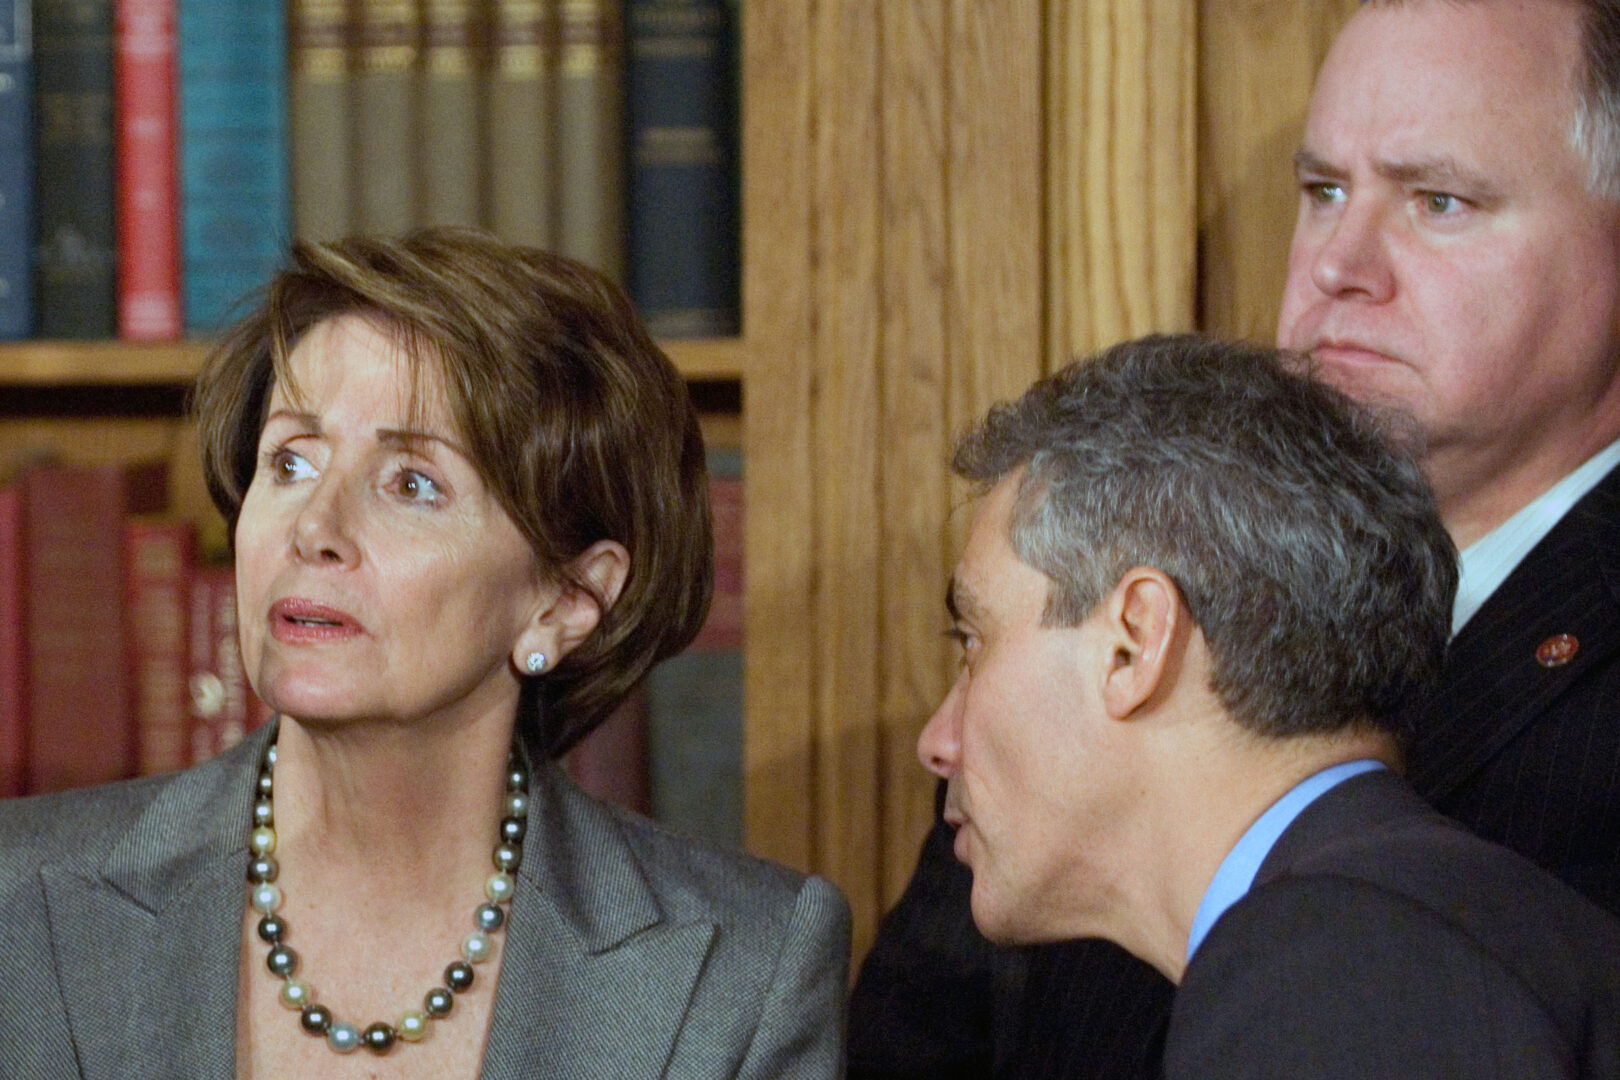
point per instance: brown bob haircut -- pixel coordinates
(574, 419)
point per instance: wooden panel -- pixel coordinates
(847, 286)
(996, 163)
(915, 438)
(1258, 60)
(1121, 130)
(778, 317)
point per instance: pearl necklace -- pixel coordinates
(265, 897)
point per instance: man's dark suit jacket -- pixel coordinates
(1522, 753)
(1381, 939)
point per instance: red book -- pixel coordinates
(13, 657)
(611, 762)
(147, 188)
(223, 707)
(158, 559)
(724, 627)
(76, 698)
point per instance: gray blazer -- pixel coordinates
(630, 952)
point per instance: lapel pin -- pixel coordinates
(1557, 650)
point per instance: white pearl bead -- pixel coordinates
(476, 947)
(295, 993)
(517, 804)
(343, 1037)
(412, 1027)
(498, 887)
(263, 840)
(266, 898)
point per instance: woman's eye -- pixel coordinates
(418, 487)
(288, 466)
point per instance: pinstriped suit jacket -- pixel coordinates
(1524, 755)
(629, 952)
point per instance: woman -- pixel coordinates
(468, 502)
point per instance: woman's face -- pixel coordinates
(377, 578)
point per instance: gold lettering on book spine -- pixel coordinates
(317, 33)
(448, 38)
(524, 39)
(388, 37)
(584, 37)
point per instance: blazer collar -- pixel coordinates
(1493, 685)
(148, 943)
(596, 978)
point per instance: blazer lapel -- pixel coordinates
(148, 944)
(594, 981)
(1494, 686)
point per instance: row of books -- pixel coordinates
(118, 648)
(156, 156)
(119, 655)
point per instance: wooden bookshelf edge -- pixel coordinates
(41, 364)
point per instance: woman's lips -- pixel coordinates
(298, 620)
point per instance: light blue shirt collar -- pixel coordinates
(1236, 872)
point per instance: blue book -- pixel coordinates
(235, 194)
(16, 171)
(683, 182)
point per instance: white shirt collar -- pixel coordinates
(1483, 565)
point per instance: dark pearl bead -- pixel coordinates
(458, 976)
(262, 868)
(517, 778)
(281, 960)
(514, 829)
(316, 1019)
(489, 917)
(266, 785)
(272, 928)
(508, 857)
(263, 814)
(438, 1002)
(379, 1038)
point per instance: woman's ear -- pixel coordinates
(1143, 617)
(567, 613)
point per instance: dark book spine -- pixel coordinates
(73, 169)
(695, 700)
(683, 180)
(16, 171)
(235, 191)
